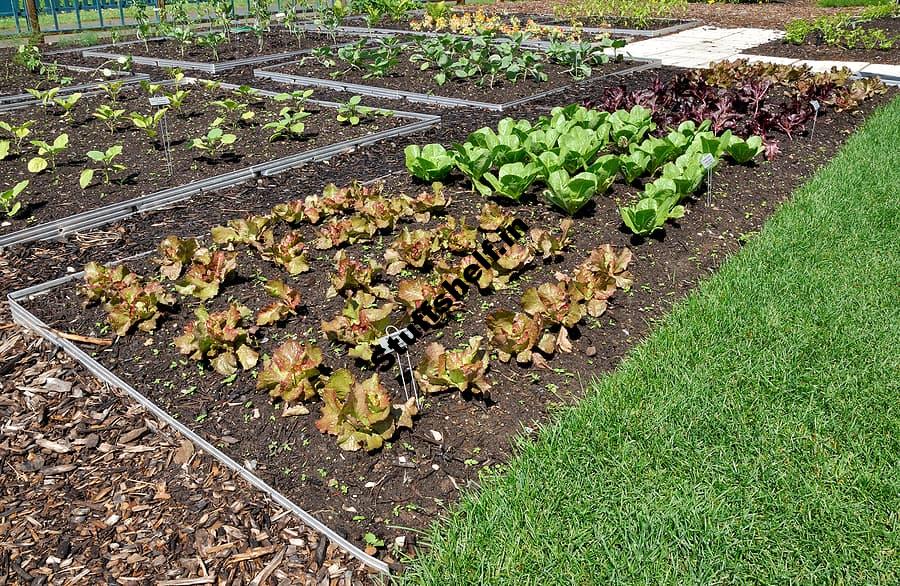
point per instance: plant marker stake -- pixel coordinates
(815, 106)
(161, 101)
(707, 161)
(383, 342)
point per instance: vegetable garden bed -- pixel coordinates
(815, 47)
(242, 49)
(219, 134)
(453, 71)
(374, 498)
(43, 73)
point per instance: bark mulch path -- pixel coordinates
(95, 491)
(773, 15)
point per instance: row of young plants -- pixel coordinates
(360, 413)
(237, 109)
(764, 99)
(577, 153)
(483, 58)
(844, 30)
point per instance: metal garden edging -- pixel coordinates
(212, 68)
(267, 73)
(20, 99)
(26, 319)
(118, 211)
(682, 26)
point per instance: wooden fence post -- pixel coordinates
(31, 15)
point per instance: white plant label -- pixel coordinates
(159, 101)
(397, 336)
(814, 104)
(707, 161)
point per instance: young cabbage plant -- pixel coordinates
(429, 163)
(9, 199)
(570, 194)
(214, 143)
(512, 180)
(108, 165)
(48, 153)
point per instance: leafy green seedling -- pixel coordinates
(47, 153)
(108, 165)
(9, 199)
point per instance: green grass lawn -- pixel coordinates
(847, 3)
(753, 438)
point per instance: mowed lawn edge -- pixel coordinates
(753, 437)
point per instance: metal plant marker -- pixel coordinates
(409, 389)
(707, 161)
(815, 106)
(161, 102)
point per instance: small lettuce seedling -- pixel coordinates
(651, 213)
(511, 181)
(174, 254)
(743, 151)
(360, 414)
(513, 334)
(287, 300)
(361, 322)
(291, 373)
(220, 338)
(207, 273)
(462, 369)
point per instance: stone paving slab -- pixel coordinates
(700, 46)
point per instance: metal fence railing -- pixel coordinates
(61, 16)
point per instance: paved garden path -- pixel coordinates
(698, 47)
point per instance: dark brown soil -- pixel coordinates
(409, 77)
(51, 196)
(241, 46)
(418, 475)
(15, 78)
(815, 48)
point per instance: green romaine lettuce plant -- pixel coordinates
(429, 163)
(512, 180)
(650, 213)
(570, 194)
(744, 151)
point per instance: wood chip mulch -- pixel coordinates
(771, 15)
(95, 491)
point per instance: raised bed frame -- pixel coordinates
(415, 97)
(211, 68)
(26, 319)
(13, 101)
(118, 211)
